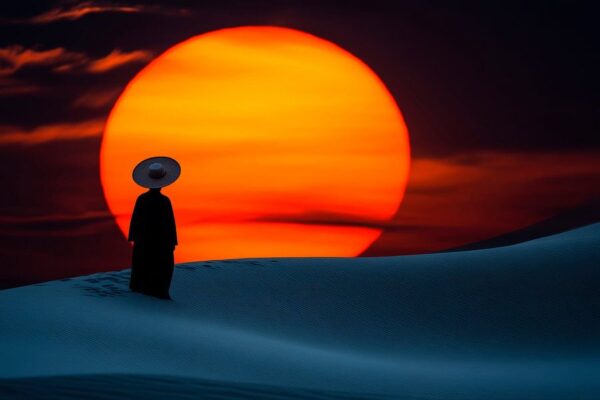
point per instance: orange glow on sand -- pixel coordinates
(273, 128)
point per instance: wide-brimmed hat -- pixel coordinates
(156, 172)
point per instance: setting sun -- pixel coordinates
(289, 145)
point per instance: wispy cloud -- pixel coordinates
(117, 58)
(46, 133)
(13, 58)
(47, 223)
(326, 218)
(96, 99)
(70, 11)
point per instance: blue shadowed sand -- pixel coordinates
(511, 322)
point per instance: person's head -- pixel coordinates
(156, 172)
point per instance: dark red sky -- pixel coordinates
(501, 103)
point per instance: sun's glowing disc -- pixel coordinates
(289, 145)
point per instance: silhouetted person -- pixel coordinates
(152, 229)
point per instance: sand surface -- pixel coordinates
(521, 321)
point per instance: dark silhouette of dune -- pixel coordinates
(585, 214)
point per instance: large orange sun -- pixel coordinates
(289, 145)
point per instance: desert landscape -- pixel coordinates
(510, 322)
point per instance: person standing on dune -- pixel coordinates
(152, 229)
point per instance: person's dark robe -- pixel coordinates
(152, 231)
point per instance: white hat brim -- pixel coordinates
(141, 177)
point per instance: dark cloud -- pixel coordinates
(10, 135)
(54, 225)
(73, 10)
(332, 219)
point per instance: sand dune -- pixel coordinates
(510, 322)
